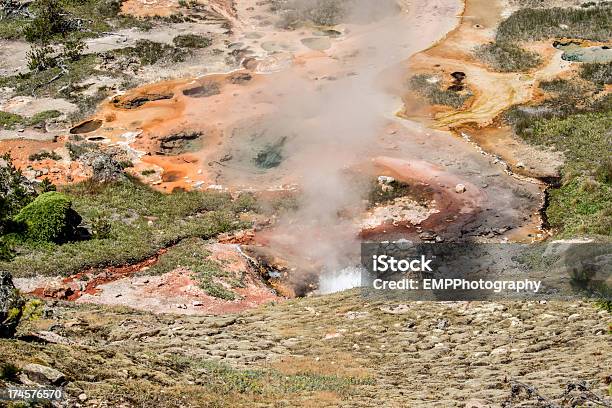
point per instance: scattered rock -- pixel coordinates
(43, 375)
(442, 324)
(385, 180)
(50, 337)
(460, 188)
(104, 166)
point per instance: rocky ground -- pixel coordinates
(337, 350)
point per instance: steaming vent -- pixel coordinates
(338, 281)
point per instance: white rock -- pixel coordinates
(385, 180)
(460, 188)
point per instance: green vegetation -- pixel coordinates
(44, 154)
(56, 29)
(190, 254)
(192, 41)
(507, 57)
(10, 120)
(429, 87)
(581, 206)
(49, 218)
(583, 203)
(14, 193)
(599, 73)
(529, 24)
(77, 150)
(9, 372)
(150, 52)
(540, 24)
(54, 81)
(160, 376)
(32, 310)
(49, 21)
(53, 19)
(129, 206)
(44, 116)
(148, 172)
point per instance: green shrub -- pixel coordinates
(50, 20)
(507, 57)
(9, 372)
(109, 8)
(15, 192)
(6, 250)
(44, 154)
(49, 218)
(72, 49)
(40, 58)
(46, 185)
(101, 228)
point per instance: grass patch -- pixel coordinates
(191, 41)
(507, 57)
(11, 28)
(430, 88)
(129, 205)
(10, 120)
(150, 52)
(581, 206)
(75, 18)
(49, 82)
(43, 117)
(540, 24)
(584, 138)
(583, 203)
(598, 73)
(160, 377)
(44, 154)
(192, 255)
